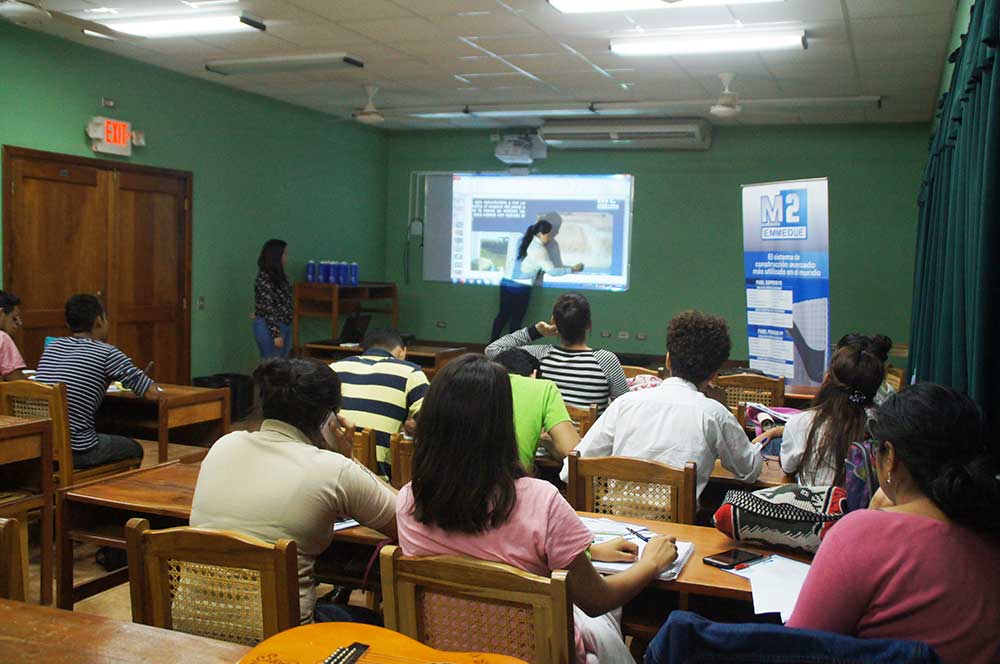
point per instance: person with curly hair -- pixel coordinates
(675, 423)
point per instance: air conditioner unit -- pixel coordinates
(641, 134)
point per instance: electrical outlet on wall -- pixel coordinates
(641, 336)
(201, 303)
(623, 334)
(441, 323)
(605, 334)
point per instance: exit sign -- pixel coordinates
(110, 136)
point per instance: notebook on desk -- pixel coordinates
(605, 529)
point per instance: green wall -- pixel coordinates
(687, 233)
(261, 168)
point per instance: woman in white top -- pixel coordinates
(815, 442)
(532, 263)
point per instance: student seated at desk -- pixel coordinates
(879, 345)
(584, 375)
(87, 365)
(382, 391)
(469, 496)
(924, 563)
(11, 363)
(815, 442)
(295, 477)
(675, 423)
(538, 409)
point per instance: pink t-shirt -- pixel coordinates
(542, 534)
(10, 357)
(901, 576)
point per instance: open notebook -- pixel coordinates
(605, 529)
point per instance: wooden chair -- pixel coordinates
(583, 418)
(401, 458)
(896, 377)
(218, 584)
(458, 603)
(363, 449)
(31, 399)
(633, 371)
(12, 572)
(635, 488)
(752, 388)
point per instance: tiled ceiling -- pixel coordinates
(444, 55)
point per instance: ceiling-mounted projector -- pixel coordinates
(520, 150)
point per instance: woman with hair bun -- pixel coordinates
(532, 264)
(925, 566)
(877, 344)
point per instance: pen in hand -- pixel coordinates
(639, 535)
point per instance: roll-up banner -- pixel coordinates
(787, 269)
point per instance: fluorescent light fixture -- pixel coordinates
(208, 3)
(495, 112)
(607, 6)
(98, 35)
(711, 42)
(284, 63)
(188, 26)
(100, 10)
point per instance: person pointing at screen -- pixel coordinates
(533, 262)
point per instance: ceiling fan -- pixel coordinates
(728, 105)
(20, 12)
(369, 114)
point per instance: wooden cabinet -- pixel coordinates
(116, 230)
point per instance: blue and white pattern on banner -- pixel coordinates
(787, 278)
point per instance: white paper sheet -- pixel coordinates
(605, 529)
(344, 524)
(775, 584)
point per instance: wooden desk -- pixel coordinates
(26, 455)
(800, 396)
(312, 300)
(30, 633)
(770, 475)
(181, 414)
(431, 358)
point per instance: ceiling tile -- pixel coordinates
(892, 8)
(433, 8)
(482, 25)
(451, 47)
(390, 30)
(246, 43)
(547, 63)
(902, 49)
(553, 22)
(929, 26)
(531, 44)
(326, 36)
(789, 10)
(352, 10)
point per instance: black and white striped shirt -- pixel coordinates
(87, 366)
(584, 377)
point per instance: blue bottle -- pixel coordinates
(311, 271)
(354, 274)
(338, 272)
(325, 272)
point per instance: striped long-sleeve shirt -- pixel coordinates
(87, 366)
(584, 377)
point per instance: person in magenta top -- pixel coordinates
(924, 563)
(11, 363)
(470, 496)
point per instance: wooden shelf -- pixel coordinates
(312, 300)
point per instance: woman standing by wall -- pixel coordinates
(272, 301)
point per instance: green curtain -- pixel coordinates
(955, 330)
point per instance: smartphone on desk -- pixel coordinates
(732, 558)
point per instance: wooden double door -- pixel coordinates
(118, 231)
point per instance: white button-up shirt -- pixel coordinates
(673, 423)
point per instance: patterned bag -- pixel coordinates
(860, 479)
(792, 516)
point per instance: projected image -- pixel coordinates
(591, 217)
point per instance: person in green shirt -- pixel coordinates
(539, 411)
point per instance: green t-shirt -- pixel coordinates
(538, 406)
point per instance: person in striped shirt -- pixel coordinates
(584, 375)
(382, 391)
(87, 365)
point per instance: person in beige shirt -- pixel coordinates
(295, 477)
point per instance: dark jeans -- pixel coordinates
(326, 612)
(265, 342)
(109, 448)
(514, 298)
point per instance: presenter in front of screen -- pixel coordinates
(532, 264)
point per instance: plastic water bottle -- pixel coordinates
(354, 274)
(325, 272)
(311, 271)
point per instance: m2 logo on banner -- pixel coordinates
(787, 271)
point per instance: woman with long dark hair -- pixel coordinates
(470, 496)
(272, 301)
(528, 270)
(925, 565)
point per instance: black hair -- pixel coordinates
(571, 313)
(519, 361)
(8, 301)
(879, 344)
(269, 261)
(698, 345)
(939, 434)
(540, 226)
(82, 311)
(466, 430)
(841, 406)
(382, 338)
(302, 393)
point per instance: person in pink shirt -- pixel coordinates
(11, 363)
(924, 563)
(470, 496)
